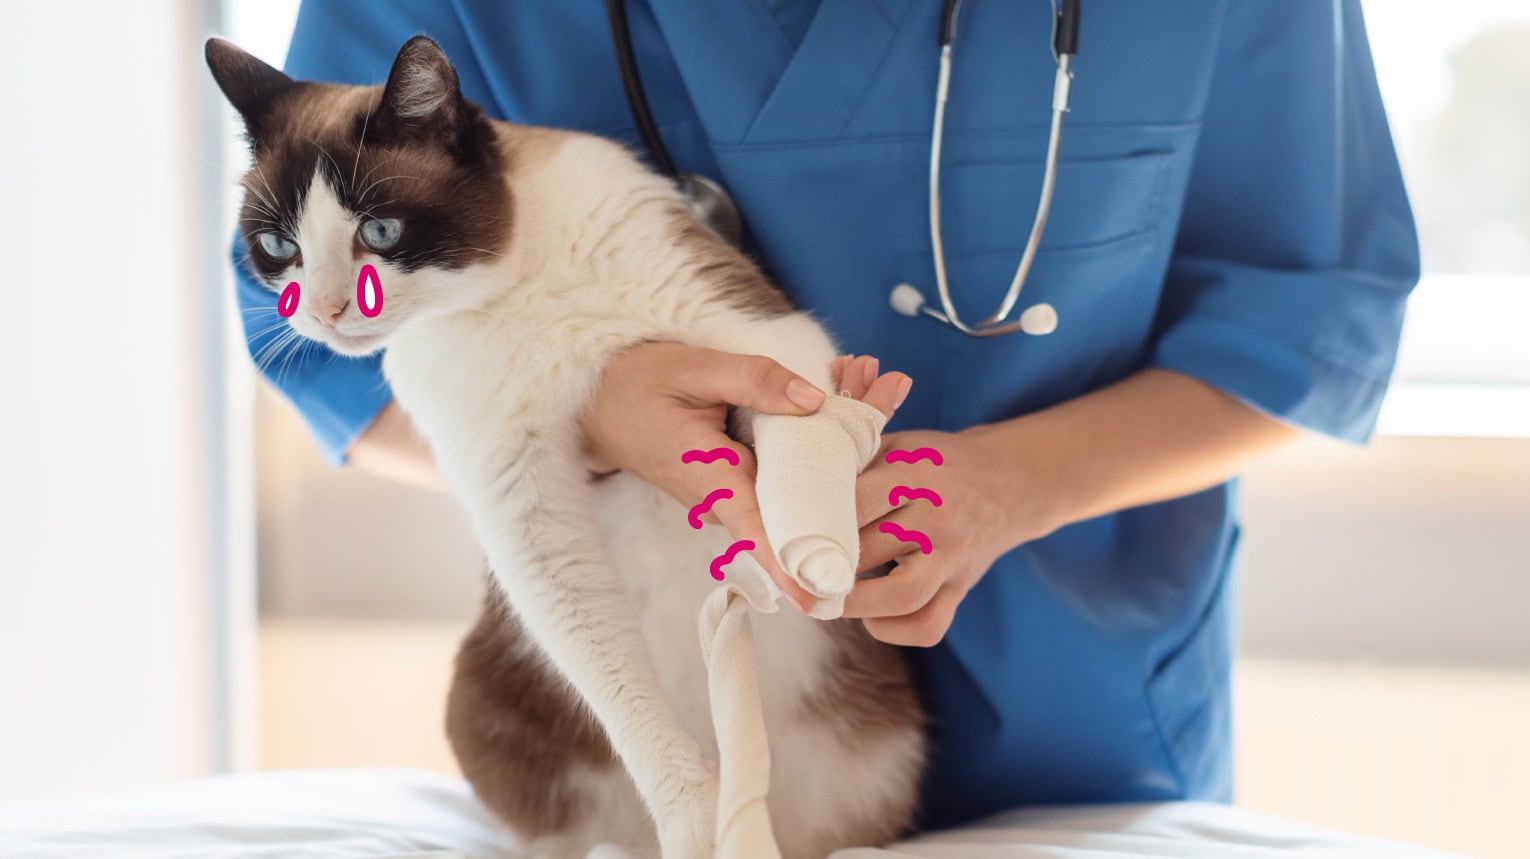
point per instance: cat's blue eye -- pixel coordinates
(277, 247)
(381, 234)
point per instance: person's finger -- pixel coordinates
(888, 392)
(837, 368)
(741, 516)
(752, 381)
(907, 589)
(872, 490)
(870, 371)
(925, 627)
(739, 513)
(690, 482)
(854, 379)
(877, 548)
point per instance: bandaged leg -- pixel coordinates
(743, 820)
(806, 489)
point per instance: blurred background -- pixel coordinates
(186, 587)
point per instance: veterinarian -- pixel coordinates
(1228, 253)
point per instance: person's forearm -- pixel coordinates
(391, 448)
(1152, 436)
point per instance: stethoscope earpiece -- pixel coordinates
(1039, 319)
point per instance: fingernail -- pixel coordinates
(903, 388)
(804, 394)
(871, 371)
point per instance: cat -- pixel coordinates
(515, 263)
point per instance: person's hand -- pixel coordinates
(986, 510)
(658, 400)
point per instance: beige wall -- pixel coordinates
(1412, 550)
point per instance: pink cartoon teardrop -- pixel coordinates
(287, 304)
(369, 294)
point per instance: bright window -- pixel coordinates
(1456, 78)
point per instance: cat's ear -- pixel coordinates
(422, 98)
(251, 86)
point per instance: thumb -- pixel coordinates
(751, 381)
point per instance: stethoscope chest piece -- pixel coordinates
(713, 206)
(907, 300)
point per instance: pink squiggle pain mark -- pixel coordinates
(911, 494)
(716, 495)
(726, 558)
(369, 294)
(287, 304)
(915, 455)
(907, 535)
(710, 456)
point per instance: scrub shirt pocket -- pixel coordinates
(1097, 264)
(989, 205)
(1103, 228)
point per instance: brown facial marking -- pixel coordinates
(438, 170)
(725, 269)
(455, 212)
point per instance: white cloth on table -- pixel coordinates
(393, 814)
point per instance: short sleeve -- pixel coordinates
(1296, 249)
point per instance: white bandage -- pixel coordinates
(806, 489)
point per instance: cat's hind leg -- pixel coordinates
(532, 508)
(532, 751)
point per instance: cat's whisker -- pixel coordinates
(259, 204)
(295, 349)
(363, 195)
(265, 350)
(325, 153)
(266, 331)
(361, 143)
(367, 175)
(272, 350)
(259, 172)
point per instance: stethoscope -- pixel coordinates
(714, 207)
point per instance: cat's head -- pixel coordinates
(405, 177)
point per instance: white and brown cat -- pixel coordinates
(516, 262)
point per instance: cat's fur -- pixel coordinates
(530, 257)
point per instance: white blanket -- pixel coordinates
(371, 814)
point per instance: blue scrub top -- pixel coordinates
(1229, 206)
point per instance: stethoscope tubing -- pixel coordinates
(1064, 41)
(716, 208)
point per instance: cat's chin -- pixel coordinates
(353, 347)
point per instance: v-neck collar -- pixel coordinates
(750, 85)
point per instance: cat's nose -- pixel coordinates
(328, 314)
